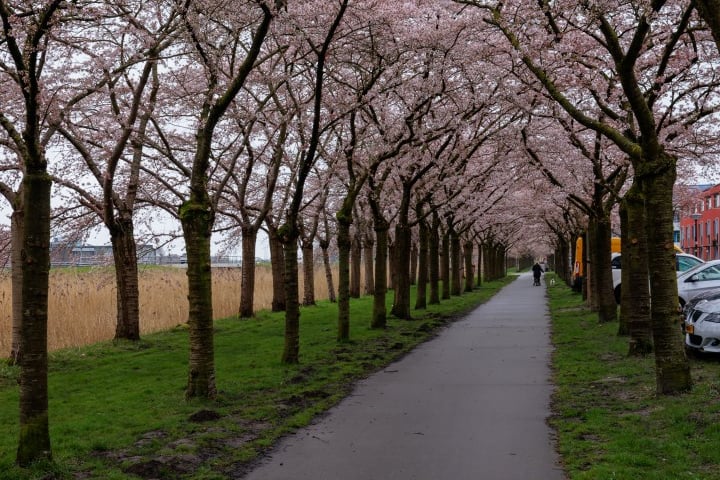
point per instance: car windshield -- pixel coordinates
(693, 269)
(683, 263)
(711, 272)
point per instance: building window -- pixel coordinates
(709, 203)
(707, 228)
(717, 200)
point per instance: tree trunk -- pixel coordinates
(635, 301)
(562, 255)
(325, 246)
(434, 260)
(603, 291)
(277, 263)
(368, 257)
(344, 247)
(445, 265)
(392, 264)
(586, 267)
(308, 274)
(710, 12)
(401, 305)
(456, 276)
(469, 273)
(247, 273)
(671, 365)
(356, 266)
(413, 263)
(197, 222)
(424, 241)
(379, 314)
(291, 351)
(16, 239)
(479, 265)
(488, 259)
(34, 441)
(122, 237)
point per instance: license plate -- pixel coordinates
(690, 329)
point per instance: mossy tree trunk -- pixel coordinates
(671, 365)
(16, 239)
(445, 265)
(379, 313)
(423, 251)
(368, 243)
(291, 350)
(401, 303)
(469, 273)
(308, 273)
(479, 265)
(122, 238)
(325, 247)
(455, 264)
(392, 264)
(434, 260)
(602, 274)
(196, 218)
(34, 442)
(247, 273)
(355, 266)
(344, 243)
(413, 262)
(277, 265)
(635, 301)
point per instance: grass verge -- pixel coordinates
(609, 420)
(117, 411)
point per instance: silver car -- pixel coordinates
(701, 278)
(683, 262)
(702, 326)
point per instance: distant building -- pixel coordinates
(700, 226)
(64, 254)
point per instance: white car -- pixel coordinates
(701, 278)
(702, 326)
(683, 262)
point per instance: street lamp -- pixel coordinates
(696, 216)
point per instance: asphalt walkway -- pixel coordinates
(471, 404)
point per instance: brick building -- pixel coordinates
(700, 227)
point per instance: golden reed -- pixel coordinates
(82, 302)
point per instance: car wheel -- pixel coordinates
(617, 294)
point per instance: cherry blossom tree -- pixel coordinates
(648, 50)
(108, 140)
(31, 65)
(289, 232)
(220, 48)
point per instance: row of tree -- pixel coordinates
(384, 125)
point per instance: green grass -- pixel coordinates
(118, 409)
(610, 422)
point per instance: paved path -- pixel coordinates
(468, 405)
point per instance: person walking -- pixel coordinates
(537, 273)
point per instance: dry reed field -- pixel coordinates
(82, 302)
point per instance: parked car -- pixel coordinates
(702, 322)
(683, 263)
(701, 278)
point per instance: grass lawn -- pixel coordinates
(610, 422)
(118, 410)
